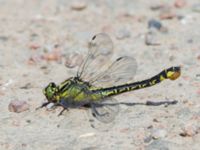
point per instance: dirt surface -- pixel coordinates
(37, 36)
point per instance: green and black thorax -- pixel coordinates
(71, 89)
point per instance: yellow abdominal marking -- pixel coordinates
(153, 82)
(162, 78)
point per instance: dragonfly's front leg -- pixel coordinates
(43, 105)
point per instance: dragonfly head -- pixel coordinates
(50, 92)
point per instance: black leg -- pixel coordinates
(43, 105)
(62, 111)
(64, 104)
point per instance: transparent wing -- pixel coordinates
(121, 71)
(99, 54)
(106, 110)
(103, 113)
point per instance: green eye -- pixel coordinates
(50, 91)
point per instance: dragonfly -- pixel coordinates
(99, 80)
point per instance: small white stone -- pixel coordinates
(78, 5)
(50, 106)
(158, 133)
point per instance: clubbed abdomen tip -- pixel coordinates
(174, 73)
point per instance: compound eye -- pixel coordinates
(52, 84)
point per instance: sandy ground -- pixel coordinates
(35, 38)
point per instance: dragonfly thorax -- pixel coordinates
(72, 90)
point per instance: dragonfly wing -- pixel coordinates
(99, 53)
(121, 71)
(106, 110)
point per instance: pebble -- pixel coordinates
(147, 139)
(198, 76)
(151, 38)
(196, 8)
(154, 24)
(52, 56)
(2, 93)
(4, 38)
(73, 60)
(190, 41)
(158, 133)
(122, 34)
(78, 5)
(86, 135)
(180, 3)
(189, 130)
(6, 145)
(198, 57)
(50, 106)
(167, 13)
(47, 48)
(156, 7)
(45, 69)
(18, 106)
(34, 59)
(7, 84)
(186, 19)
(34, 46)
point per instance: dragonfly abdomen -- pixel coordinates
(170, 73)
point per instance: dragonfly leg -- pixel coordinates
(65, 106)
(43, 105)
(63, 111)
